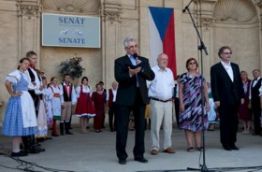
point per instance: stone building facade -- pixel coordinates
(236, 23)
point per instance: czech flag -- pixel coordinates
(162, 35)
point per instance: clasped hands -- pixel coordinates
(136, 70)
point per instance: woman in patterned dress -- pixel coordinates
(20, 118)
(191, 117)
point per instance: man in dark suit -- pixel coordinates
(255, 101)
(131, 72)
(227, 91)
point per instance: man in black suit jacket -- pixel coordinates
(227, 91)
(131, 72)
(255, 101)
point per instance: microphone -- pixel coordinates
(184, 10)
(135, 55)
(186, 7)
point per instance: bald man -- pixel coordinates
(161, 96)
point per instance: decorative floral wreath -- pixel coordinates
(72, 67)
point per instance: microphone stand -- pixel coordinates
(202, 48)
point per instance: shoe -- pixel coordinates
(227, 148)
(234, 147)
(190, 149)
(122, 161)
(98, 131)
(48, 138)
(67, 129)
(36, 149)
(199, 148)
(68, 133)
(84, 131)
(18, 154)
(142, 160)
(39, 140)
(55, 135)
(154, 152)
(169, 150)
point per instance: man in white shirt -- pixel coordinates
(111, 99)
(35, 88)
(68, 101)
(161, 94)
(260, 94)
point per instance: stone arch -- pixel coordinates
(237, 25)
(239, 11)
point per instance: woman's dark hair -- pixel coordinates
(98, 84)
(84, 78)
(30, 54)
(101, 83)
(221, 50)
(52, 79)
(189, 60)
(44, 78)
(22, 60)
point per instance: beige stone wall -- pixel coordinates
(235, 23)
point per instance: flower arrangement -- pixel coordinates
(72, 67)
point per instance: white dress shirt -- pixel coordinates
(162, 87)
(73, 95)
(260, 91)
(229, 70)
(86, 89)
(254, 82)
(37, 83)
(114, 94)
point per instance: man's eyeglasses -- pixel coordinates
(132, 46)
(227, 53)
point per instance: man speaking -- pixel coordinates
(131, 72)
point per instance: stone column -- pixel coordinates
(28, 12)
(259, 8)
(111, 10)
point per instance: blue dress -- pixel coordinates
(191, 118)
(14, 120)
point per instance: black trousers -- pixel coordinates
(177, 111)
(112, 114)
(122, 120)
(256, 112)
(228, 124)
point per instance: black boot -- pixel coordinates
(26, 143)
(35, 147)
(61, 128)
(30, 145)
(67, 126)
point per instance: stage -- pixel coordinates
(95, 152)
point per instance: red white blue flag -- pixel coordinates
(162, 35)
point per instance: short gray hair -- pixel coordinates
(127, 40)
